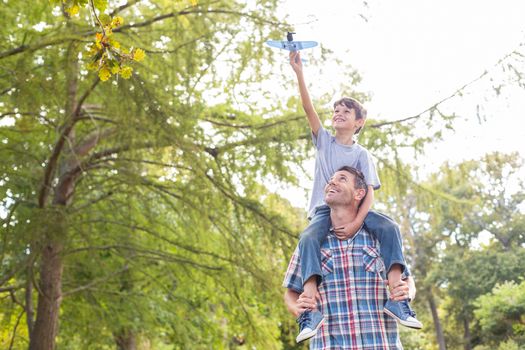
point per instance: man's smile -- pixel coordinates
(332, 189)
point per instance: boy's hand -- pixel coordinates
(345, 232)
(295, 61)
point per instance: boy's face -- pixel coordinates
(344, 118)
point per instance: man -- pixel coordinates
(352, 292)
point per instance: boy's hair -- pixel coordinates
(359, 178)
(360, 110)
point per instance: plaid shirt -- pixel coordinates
(353, 293)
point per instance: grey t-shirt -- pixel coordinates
(331, 156)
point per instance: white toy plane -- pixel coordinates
(291, 45)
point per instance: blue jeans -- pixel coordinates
(383, 228)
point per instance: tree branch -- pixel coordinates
(8, 289)
(91, 141)
(57, 150)
(15, 113)
(11, 343)
(96, 281)
(123, 7)
(199, 12)
(458, 91)
(38, 46)
(255, 126)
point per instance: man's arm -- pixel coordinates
(297, 303)
(311, 114)
(364, 208)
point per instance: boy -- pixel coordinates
(332, 153)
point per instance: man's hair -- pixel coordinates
(360, 110)
(359, 178)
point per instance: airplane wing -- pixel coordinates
(291, 45)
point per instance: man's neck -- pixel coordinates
(344, 137)
(342, 216)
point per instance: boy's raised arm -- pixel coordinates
(311, 114)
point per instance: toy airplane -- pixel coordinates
(290, 44)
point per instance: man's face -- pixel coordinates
(340, 189)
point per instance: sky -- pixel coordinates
(414, 53)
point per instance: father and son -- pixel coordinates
(335, 282)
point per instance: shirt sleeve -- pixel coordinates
(368, 168)
(292, 278)
(322, 139)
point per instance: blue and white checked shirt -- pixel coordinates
(353, 293)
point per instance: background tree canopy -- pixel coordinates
(135, 200)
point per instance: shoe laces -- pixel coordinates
(407, 309)
(304, 318)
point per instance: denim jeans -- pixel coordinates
(386, 231)
(383, 228)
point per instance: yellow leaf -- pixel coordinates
(104, 74)
(114, 43)
(73, 10)
(138, 55)
(125, 72)
(117, 21)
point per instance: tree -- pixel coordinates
(500, 314)
(82, 156)
(462, 269)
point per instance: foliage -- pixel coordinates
(155, 187)
(501, 314)
(163, 225)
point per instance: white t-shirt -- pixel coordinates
(331, 156)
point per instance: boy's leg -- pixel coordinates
(310, 248)
(391, 245)
(310, 259)
(388, 234)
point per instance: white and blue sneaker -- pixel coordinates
(309, 323)
(402, 313)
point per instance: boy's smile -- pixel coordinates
(344, 118)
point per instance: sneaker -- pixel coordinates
(309, 322)
(402, 313)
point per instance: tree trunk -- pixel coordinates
(466, 334)
(52, 241)
(29, 303)
(46, 324)
(437, 323)
(126, 341)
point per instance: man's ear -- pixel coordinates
(360, 194)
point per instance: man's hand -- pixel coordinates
(403, 289)
(295, 62)
(305, 302)
(299, 303)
